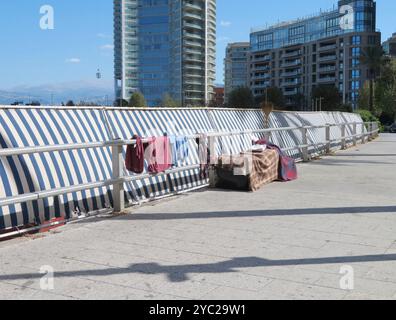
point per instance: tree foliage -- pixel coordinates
(241, 98)
(331, 98)
(384, 94)
(374, 59)
(137, 100)
(168, 102)
(121, 103)
(273, 95)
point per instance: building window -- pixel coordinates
(355, 85)
(354, 96)
(356, 40)
(356, 52)
(296, 31)
(355, 62)
(355, 74)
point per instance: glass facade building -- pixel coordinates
(165, 47)
(236, 67)
(390, 46)
(323, 49)
(350, 16)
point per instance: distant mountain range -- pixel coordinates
(100, 92)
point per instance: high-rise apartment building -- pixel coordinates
(390, 46)
(323, 49)
(236, 67)
(165, 46)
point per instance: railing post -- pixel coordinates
(305, 155)
(354, 134)
(363, 133)
(328, 138)
(371, 135)
(118, 188)
(343, 140)
(213, 160)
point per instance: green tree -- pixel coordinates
(373, 58)
(273, 95)
(70, 103)
(331, 97)
(168, 102)
(364, 97)
(384, 94)
(121, 103)
(385, 91)
(298, 101)
(241, 98)
(137, 100)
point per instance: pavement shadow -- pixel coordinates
(258, 213)
(180, 273)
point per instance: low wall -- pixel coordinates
(37, 126)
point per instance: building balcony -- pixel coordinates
(261, 77)
(188, 5)
(291, 63)
(261, 68)
(192, 67)
(328, 69)
(290, 92)
(296, 82)
(328, 58)
(193, 26)
(192, 35)
(291, 73)
(261, 85)
(291, 54)
(261, 58)
(195, 44)
(193, 16)
(327, 80)
(328, 47)
(194, 81)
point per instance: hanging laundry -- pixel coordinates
(179, 146)
(204, 155)
(134, 160)
(158, 154)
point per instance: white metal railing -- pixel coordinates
(369, 130)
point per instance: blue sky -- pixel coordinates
(82, 39)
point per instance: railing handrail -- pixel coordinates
(119, 179)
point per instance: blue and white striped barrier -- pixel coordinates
(42, 126)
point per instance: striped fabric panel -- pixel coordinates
(236, 121)
(146, 123)
(316, 136)
(286, 139)
(38, 172)
(20, 127)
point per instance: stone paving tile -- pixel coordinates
(227, 293)
(15, 292)
(287, 241)
(361, 285)
(235, 280)
(281, 289)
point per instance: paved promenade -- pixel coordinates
(287, 241)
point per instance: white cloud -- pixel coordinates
(225, 24)
(107, 47)
(103, 36)
(73, 60)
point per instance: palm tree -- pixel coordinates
(374, 59)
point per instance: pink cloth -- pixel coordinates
(158, 154)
